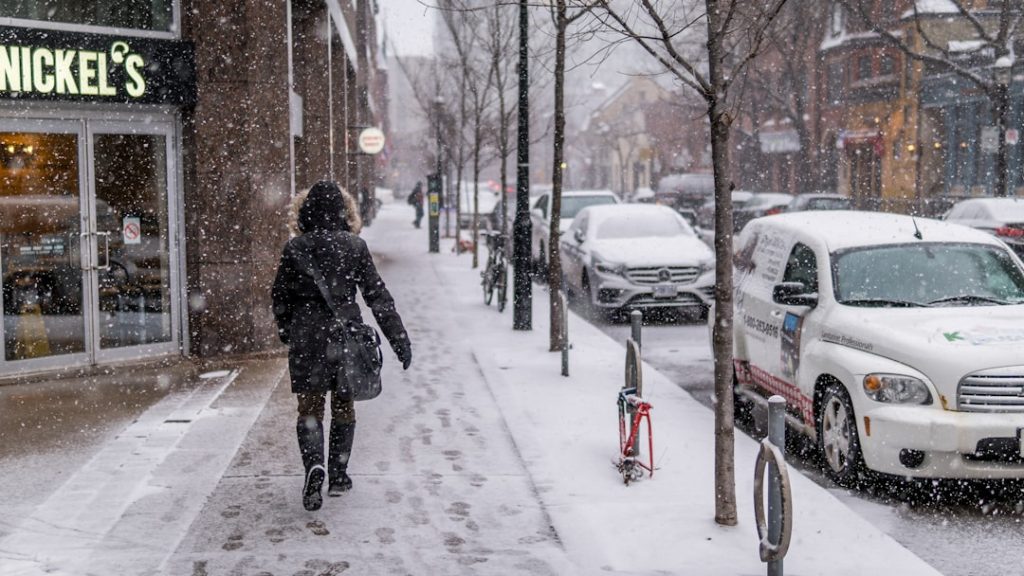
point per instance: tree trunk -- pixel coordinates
(1001, 111)
(725, 467)
(476, 191)
(554, 263)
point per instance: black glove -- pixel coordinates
(404, 353)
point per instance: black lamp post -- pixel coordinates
(522, 295)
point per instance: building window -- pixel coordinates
(888, 65)
(134, 14)
(864, 67)
(835, 81)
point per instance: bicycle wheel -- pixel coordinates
(502, 287)
(488, 283)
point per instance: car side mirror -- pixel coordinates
(794, 294)
(578, 235)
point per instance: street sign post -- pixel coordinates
(434, 211)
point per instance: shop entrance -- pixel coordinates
(87, 228)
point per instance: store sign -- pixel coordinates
(49, 65)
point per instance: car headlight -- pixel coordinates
(609, 268)
(896, 389)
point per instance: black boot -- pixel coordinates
(342, 434)
(310, 432)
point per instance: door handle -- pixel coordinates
(776, 313)
(106, 249)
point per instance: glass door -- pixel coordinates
(133, 280)
(42, 217)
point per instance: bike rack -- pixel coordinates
(775, 533)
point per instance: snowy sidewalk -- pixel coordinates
(566, 432)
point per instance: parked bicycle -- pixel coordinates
(494, 277)
(630, 466)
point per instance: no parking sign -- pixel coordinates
(131, 230)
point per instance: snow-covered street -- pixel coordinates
(481, 459)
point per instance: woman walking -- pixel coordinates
(328, 246)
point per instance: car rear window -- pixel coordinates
(571, 205)
(927, 274)
(828, 204)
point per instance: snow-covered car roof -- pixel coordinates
(589, 193)
(841, 229)
(602, 212)
(1003, 208)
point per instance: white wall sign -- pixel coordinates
(371, 141)
(131, 230)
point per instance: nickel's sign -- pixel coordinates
(50, 65)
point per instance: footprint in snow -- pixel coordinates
(318, 528)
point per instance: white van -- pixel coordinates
(898, 342)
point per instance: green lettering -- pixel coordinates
(62, 71)
(136, 84)
(105, 88)
(43, 80)
(87, 73)
(10, 69)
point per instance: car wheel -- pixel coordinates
(838, 442)
(541, 266)
(742, 408)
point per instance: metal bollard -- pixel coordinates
(565, 334)
(777, 436)
(636, 320)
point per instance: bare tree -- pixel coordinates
(733, 34)
(562, 17)
(975, 45)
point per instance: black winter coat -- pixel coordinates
(303, 317)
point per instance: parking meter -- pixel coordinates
(434, 207)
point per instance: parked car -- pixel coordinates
(1002, 217)
(685, 190)
(819, 201)
(896, 341)
(488, 198)
(760, 204)
(572, 202)
(706, 212)
(636, 256)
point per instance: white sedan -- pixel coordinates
(896, 341)
(636, 256)
(540, 218)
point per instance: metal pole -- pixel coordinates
(636, 321)
(777, 436)
(522, 295)
(565, 334)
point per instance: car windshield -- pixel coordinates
(571, 205)
(828, 204)
(933, 274)
(645, 225)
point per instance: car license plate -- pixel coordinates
(666, 291)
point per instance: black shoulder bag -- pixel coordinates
(353, 345)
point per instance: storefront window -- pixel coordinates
(133, 14)
(39, 245)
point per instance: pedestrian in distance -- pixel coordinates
(327, 246)
(416, 200)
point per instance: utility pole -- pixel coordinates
(522, 295)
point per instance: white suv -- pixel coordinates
(896, 341)
(540, 218)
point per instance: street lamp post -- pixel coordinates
(1001, 100)
(522, 295)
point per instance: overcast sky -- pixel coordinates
(409, 25)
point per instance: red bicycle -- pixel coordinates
(630, 466)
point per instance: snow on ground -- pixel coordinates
(481, 459)
(566, 431)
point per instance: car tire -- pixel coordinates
(742, 409)
(838, 440)
(541, 265)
